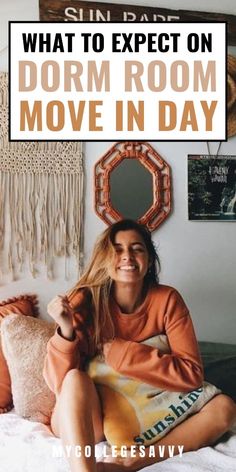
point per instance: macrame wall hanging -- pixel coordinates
(41, 200)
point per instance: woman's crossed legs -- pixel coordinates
(77, 420)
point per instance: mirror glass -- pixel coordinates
(131, 180)
(131, 190)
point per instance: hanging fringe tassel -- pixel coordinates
(44, 213)
(41, 200)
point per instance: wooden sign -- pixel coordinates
(73, 10)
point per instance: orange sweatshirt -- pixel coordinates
(163, 312)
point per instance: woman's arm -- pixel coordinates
(60, 358)
(68, 346)
(179, 371)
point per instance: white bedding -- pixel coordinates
(28, 447)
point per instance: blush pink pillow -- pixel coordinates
(24, 342)
(21, 305)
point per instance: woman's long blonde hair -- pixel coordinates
(98, 282)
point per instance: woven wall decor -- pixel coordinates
(41, 200)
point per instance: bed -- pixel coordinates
(27, 446)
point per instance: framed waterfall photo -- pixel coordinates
(212, 188)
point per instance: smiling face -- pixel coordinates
(131, 261)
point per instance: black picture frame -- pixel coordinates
(212, 188)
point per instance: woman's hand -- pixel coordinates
(60, 310)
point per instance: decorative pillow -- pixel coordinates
(24, 341)
(136, 413)
(5, 385)
(22, 305)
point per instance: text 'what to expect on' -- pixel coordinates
(124, 81)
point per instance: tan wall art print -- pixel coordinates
(41, 200)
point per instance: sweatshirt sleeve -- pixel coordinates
(181, 370)
(63, 355)
(60, 358)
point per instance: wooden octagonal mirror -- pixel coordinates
(132, 181)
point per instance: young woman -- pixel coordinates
(117, 304)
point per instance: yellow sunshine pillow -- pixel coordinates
(136, 413)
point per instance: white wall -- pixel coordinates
(199, 258)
